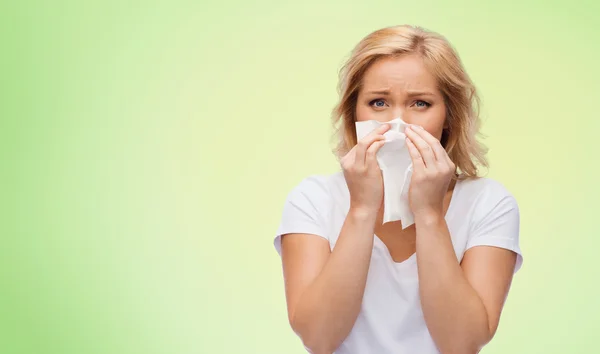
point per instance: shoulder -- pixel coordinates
(313, 187)
(489, 202)
(485, 192)
(317, 193)
(318, 186)
(484, 198)
(307, 208)
(494, 216)
(313, 183)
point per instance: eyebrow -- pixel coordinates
(410, 93)
(420, 93)
(380, 92)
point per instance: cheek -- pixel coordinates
(434, 121)
(434, 130)
(362, 113)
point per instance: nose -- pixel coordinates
(399, 113)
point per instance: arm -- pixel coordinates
(461, 304)
(324, 289)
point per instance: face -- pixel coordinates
(402, 87)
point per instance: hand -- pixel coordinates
(432, 173)
(362, 172)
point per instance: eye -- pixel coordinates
(422, 104)
(378, 103)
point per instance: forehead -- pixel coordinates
(399, 73)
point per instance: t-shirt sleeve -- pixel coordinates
(499, 225)
(304, 210)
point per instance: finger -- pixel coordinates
(362, 146)
(425, 150)
(438, 150)
(451, 164)
(415, 156)
(348, 159)
(371, 156)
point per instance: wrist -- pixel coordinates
(362, 213)
(429, 217)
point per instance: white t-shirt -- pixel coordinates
(481, 212)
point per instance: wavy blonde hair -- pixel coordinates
(460, 96)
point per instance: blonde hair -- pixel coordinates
(460, 95)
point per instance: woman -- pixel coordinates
(356, 285)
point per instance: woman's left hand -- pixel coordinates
(432, 173)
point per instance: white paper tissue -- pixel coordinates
(396, 167)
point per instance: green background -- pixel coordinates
(147, 149)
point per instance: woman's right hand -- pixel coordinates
(362, 172)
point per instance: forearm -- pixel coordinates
(328, 308)
(454, 313)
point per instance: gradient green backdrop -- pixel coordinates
(147, 149)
